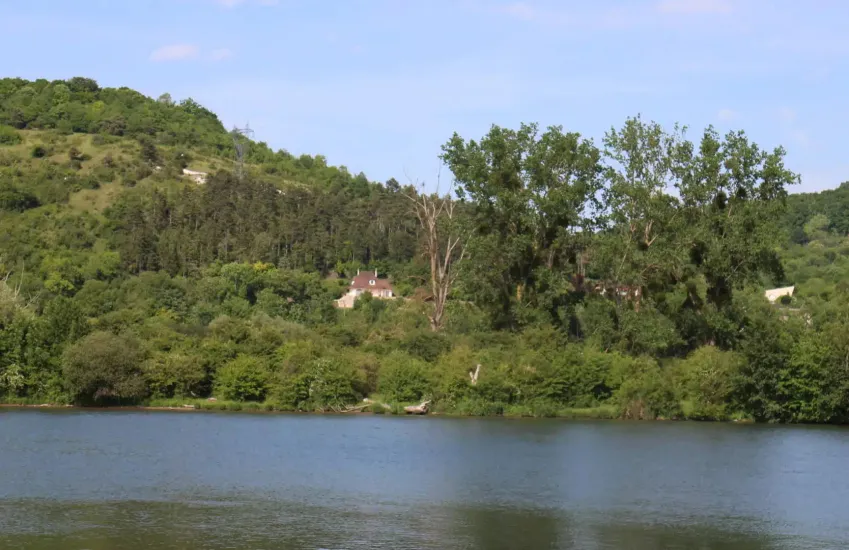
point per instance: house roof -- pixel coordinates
(368, 279)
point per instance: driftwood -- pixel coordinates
(417, 409)
(422, 408)
(366, 404)
(368, 401)
(474, 374)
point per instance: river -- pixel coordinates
(133, 480)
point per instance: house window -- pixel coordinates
(372, 283)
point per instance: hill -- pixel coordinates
(566, 270)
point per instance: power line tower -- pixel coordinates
(242, 138)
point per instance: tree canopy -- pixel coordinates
(623, 278)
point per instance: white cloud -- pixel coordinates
(175, 52)
(695, 7)
(221, 54)
(726, 115)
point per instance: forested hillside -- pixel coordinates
(622, 278)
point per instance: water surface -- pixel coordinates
(156, 480)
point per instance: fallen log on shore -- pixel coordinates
(417, 409)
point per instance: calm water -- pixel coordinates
(157, 480)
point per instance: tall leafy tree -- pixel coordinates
(533, 198)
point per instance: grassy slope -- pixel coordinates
(123, 151)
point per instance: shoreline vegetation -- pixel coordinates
(562, 276)
(470, 410)
(203, 405)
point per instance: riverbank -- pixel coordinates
(467, 409)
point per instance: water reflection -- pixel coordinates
(142, 481)
(35, 525)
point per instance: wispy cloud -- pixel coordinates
(175, 52)
(695, 7)
(793, 131)
(519, 10)
(234, 3)
(221, 54)
(726, 115)
(624, 16)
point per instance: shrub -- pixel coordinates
(645, 392)
(325, 384)
(75, 154)
(403, 378)
(242, 379)
(18, 200)
(9, 136)
(174, 374)
(426, 344)
(39, 151)
(104, 368)
(709, 379)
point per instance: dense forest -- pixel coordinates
(562, 277)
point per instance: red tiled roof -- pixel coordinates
(368, 279)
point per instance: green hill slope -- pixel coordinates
(585, 288)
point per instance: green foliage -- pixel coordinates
(104, 368)
(324, 385)
(9, 136)
(16, 199)
(176, 374)
(645, 390)
(242, 379)
(621, 279)
(403, 378)
(709, 377)
(426, 345)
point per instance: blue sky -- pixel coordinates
(379, 85)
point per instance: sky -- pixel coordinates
(380, 85)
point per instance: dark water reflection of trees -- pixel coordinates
(38, 525)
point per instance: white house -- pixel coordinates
(365, 281)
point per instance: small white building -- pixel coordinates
(365, 281)
(774, 294)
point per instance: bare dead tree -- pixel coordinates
(444, 246)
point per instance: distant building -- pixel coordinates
(774, 294)
(365, 281)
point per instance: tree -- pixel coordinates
(533, 200)
(79, 84)
(104, 368)
(149, 151)
(242, 379)
(817, 226)
(444, 247)
(643, 224)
